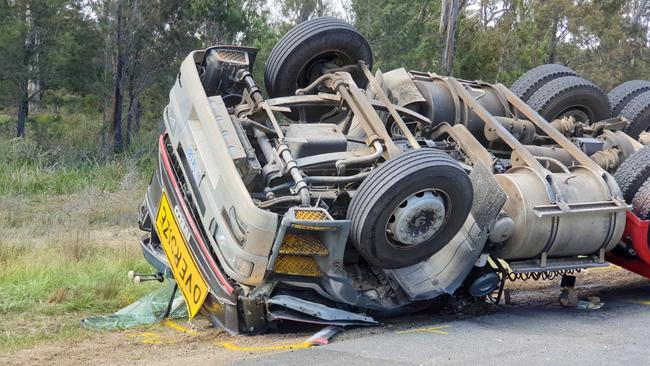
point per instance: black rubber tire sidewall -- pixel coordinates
(381, 193)
(301, 44)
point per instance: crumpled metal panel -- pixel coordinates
(446, 270)
(401, 87)
(287, 314)
(317, 310)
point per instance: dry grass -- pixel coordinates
(64, 257)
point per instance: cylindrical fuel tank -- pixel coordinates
(440, 105)
(564, 235)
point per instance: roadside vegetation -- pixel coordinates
(68, 233)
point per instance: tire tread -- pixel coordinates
(637, 112)
(298, 37)
(537, 77)
(554, 89)
(634, 171)
(624, 93)
(378, 184)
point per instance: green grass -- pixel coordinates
(46, 291)
(28, 169)
(60, 279)
(32, 179)
(64, 154)
(68, 227)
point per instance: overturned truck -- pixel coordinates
(347, 195)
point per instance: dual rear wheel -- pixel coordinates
(556, 91)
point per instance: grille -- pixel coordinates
(232, 56)
(297, 244)
(297, 265)
(311, 215)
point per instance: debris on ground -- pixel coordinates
(590, 303)
(149, 309)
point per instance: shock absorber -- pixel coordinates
(245, 77)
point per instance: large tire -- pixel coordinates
(535, 78)
(413, 174)
(637, 112)
(570, 96)
(634, 171)
(294, 61)
(624, 93)
(641, 201)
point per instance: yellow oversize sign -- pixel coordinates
(184, 268)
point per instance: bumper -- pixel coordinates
(153, 253)
(636, 235)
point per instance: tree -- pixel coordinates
(36, 39)
(298, 11)
(401, 33)
(141, 38)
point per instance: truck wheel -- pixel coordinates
(409, 208)
(300, 55)
(570, 96)
(641, 201)
(535, 78)
(637, 111)
(633, 172)
(624, 93)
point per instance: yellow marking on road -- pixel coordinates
(148, 337)
(234, 347)
(436, 330)
(169, 323)
(642, 302)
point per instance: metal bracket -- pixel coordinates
(579, 208)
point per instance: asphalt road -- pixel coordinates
(533, 332)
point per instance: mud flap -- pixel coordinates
(252, 315)
(288, 307)
(221, 314)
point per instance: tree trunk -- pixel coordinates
(448, 20)
(137, 115)
(306, 10)
(552, 47)
(27, 86)
(133, 118)
(23, 112)
(118, 97)
(33, 41)
(131, 108)
(638, 13)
